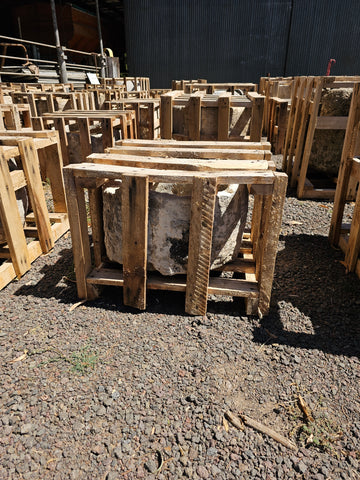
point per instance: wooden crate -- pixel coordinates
(214, 87)
(49, 102)
(274, 87)
(304, 119)
(43, 227)
(106, 122)
(277, 123)
(199, 108)
(147, 113)
(347, 236)
(256, 258)
(252, 152)
(47, 146)
(15, 117)
(130, 84)
(180, 84)
(157, 92)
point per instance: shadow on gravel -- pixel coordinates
(315, 304)
(52, 282)
(58, 281)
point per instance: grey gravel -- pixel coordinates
(154, 385)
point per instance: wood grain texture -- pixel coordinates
(134, 211)
(31, 168)
(200, 240)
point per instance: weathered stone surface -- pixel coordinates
(327, 145)
(209, 122)
(169, 223)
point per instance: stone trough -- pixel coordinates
(327, 144)
(169, 225)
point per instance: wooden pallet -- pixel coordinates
(346, 236)
(304, 119)
(147, 113)
(43, 227)
(196, 116)
(108, 122)
(256, 259)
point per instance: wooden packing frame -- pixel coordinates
(147, 113)
(256, 257)
(140, 84)
(274, 88)
(180, 84)
(347, 237)
(125, 121)
(277, 123)
(48, 226)
(15, 117)
(212, 87)
(304, 119)
(75, 101)
(198, 101)
(157, 92)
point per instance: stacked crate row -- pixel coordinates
(109, 108)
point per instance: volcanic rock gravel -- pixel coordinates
(104, 392)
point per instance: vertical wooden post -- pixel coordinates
(351, 137)
(353, 247)
(166, 116)
(223, 116)
(134, 211)
(267, 246)
(85, 138)
(59, 124)
(30, 164)
(107, 130)
(194, 109)
(11, 221)
(97, 229)
(256, 116)
(314, 110)
(79, 234)
(200, 241)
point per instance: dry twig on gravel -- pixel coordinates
(244, 419)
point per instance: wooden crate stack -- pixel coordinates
(206, 167)
(107, 122)
(196, 115)
(346, 236)
(43, 227)
(277, 93)
(147, 111)
(304, 119)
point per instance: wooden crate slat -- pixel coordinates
(134, 211)
(30, 163)
(200, 238)
(11, 221)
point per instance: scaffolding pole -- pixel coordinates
(59, 50)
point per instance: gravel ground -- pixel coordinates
(105, 392)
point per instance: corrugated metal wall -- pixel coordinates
(324, 29)
(239, 40)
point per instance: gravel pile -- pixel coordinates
(105, 392)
